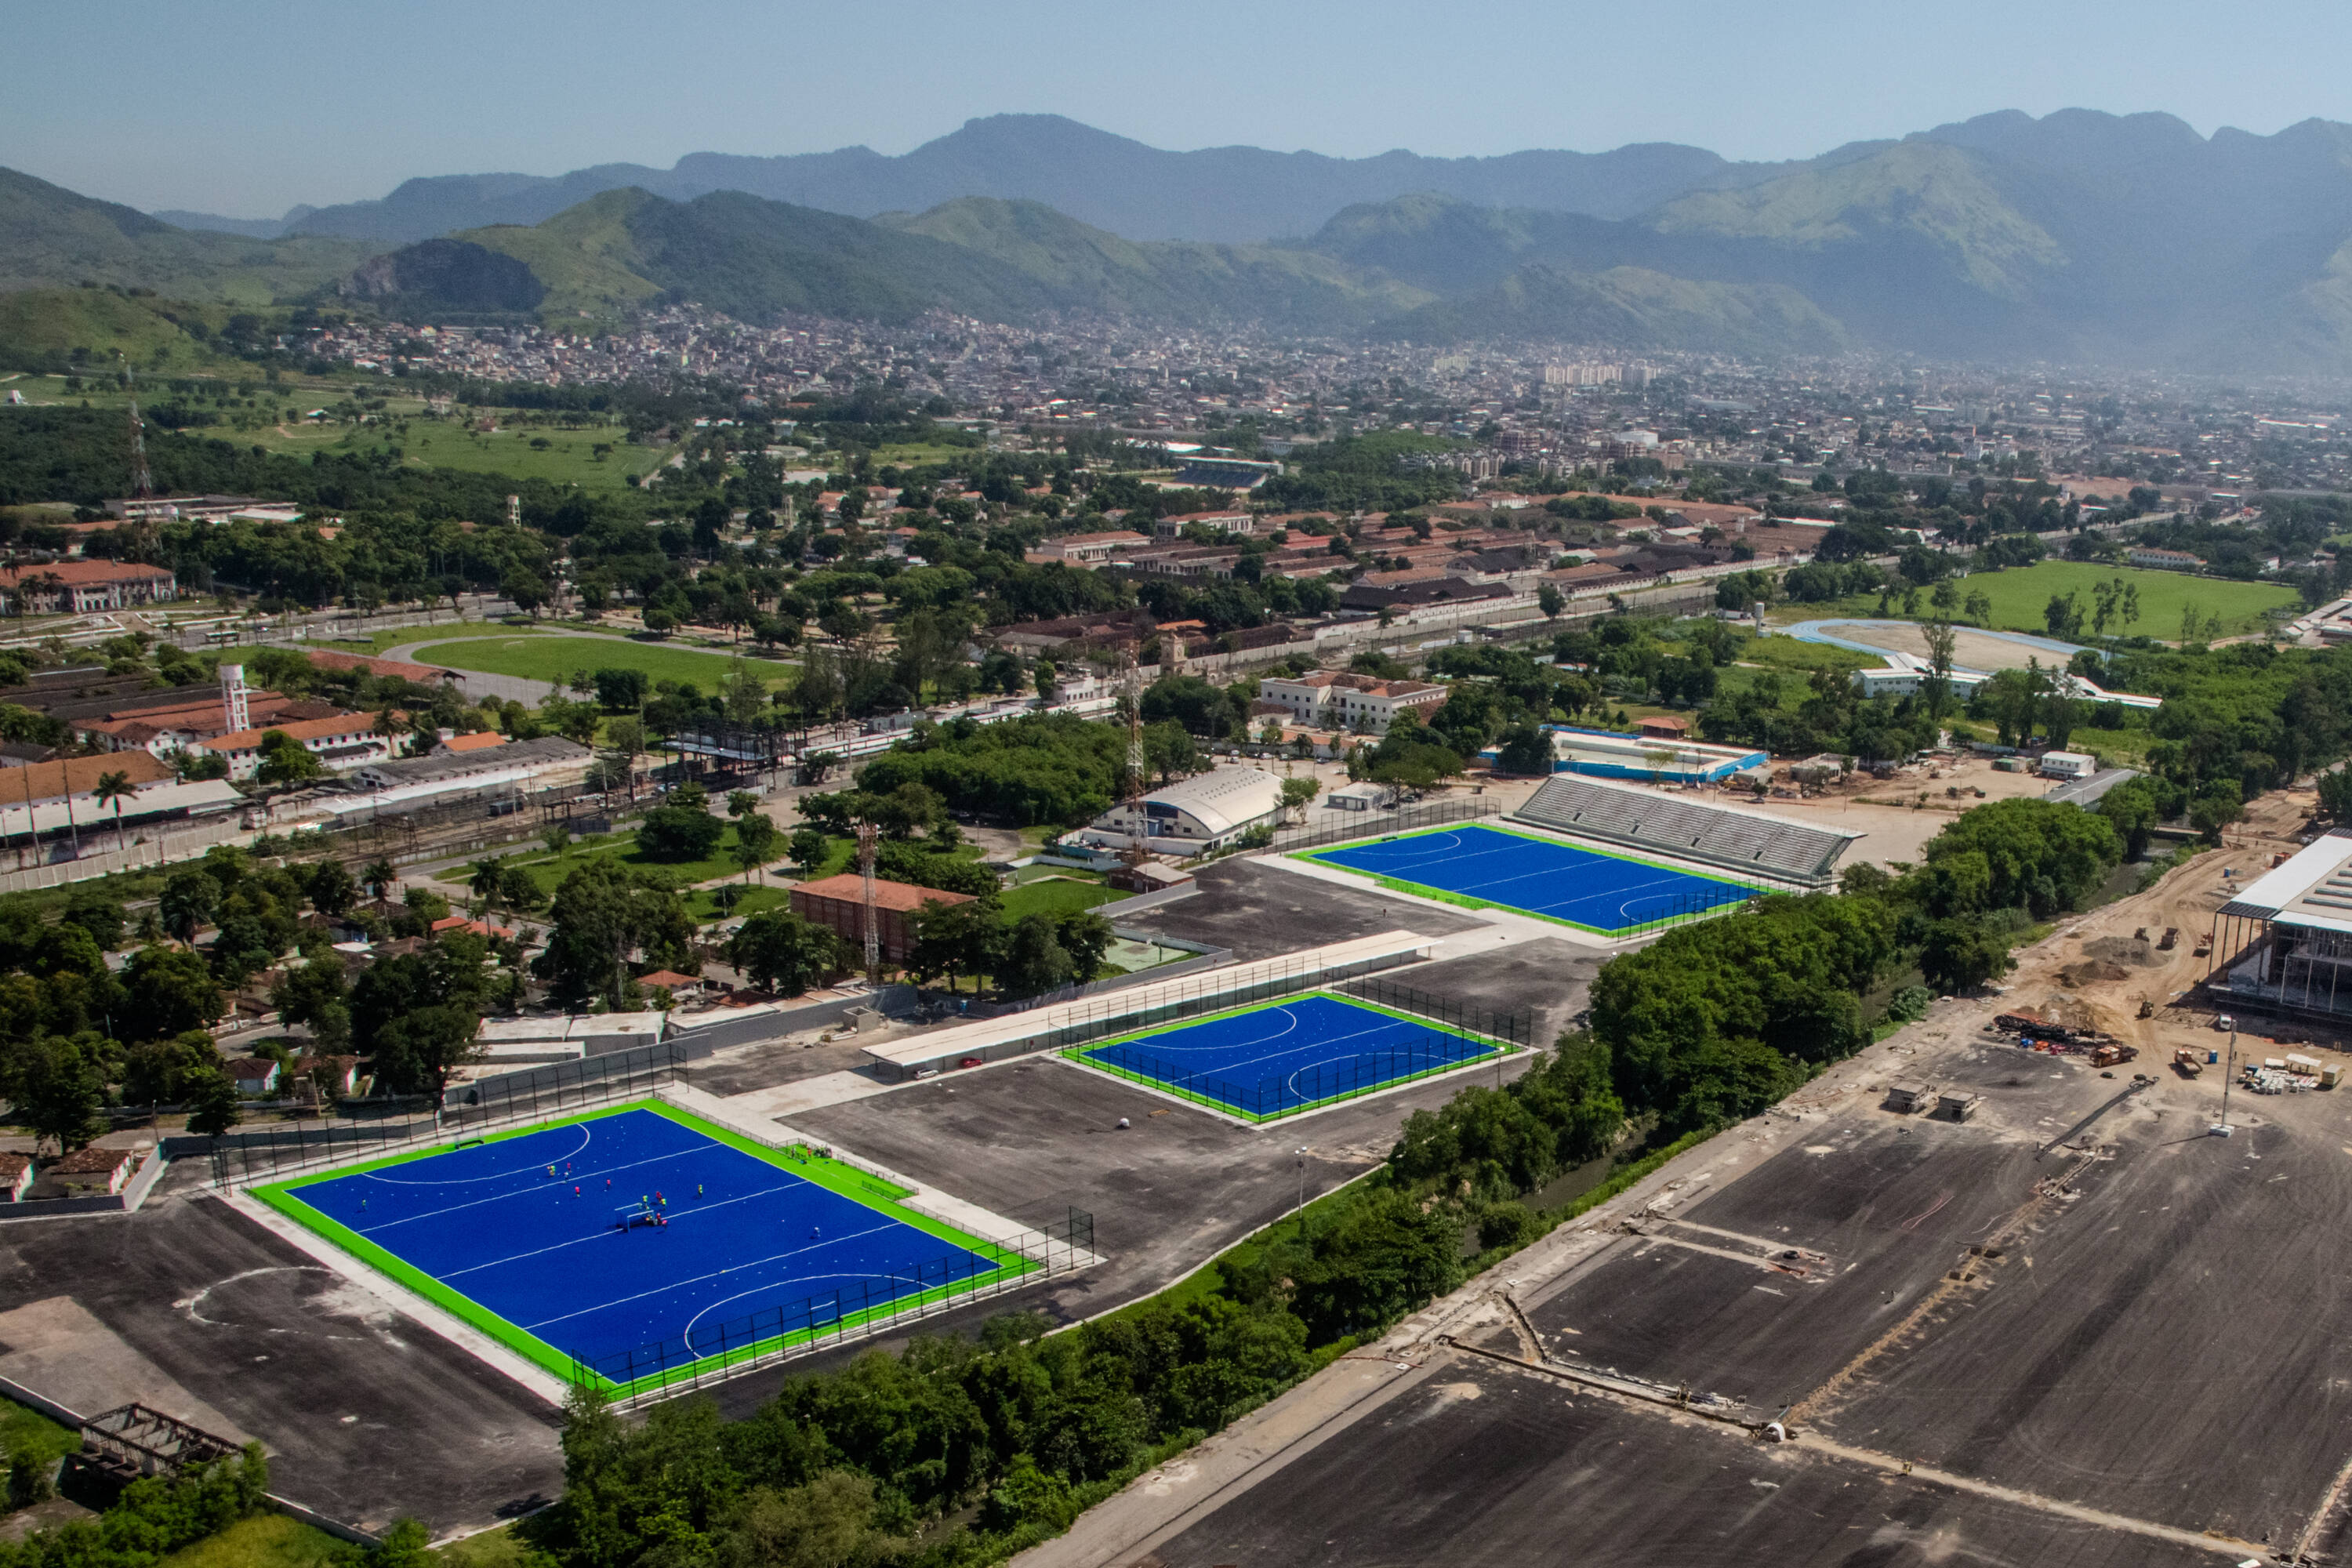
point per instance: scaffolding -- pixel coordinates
(132, 1441)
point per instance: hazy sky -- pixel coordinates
(244, 108)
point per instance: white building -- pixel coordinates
(1207, 811)
(345, 742)
(1335, 699)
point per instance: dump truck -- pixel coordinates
(2170, 939)
(2185, 1062)
(2114, 1055)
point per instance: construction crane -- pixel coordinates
(866, 837)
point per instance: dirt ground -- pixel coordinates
(1971, 650)
(2071, 1327)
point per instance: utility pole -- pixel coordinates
(2222, 1129)
(866, 837)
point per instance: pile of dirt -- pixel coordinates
(2076, 976)
(2115, 950)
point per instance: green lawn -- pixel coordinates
(1055, 896)
(28, 1433)
(2022, 593)
(263, 1540)
(755, 896)
(549, 870)
(541, 657)
(568, 458)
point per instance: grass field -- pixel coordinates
(2022, 593)
(537, 656)
(27, 1434)
(1056, 895)
(263, 1540)
(549, 870)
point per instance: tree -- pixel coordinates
(755, 842)
(1526, 750)
(187, 903)
(379, 878)
(1963, 953)
(169, 991)
(681, 827)
(58, 1094)
(112, 787)
(313, 994)
(1297, 792)
(782, 952)
(1031, 959)
(622, 690)
(602, 917)
(1942, 641)
(212, 1102)
(284, 760)
(331, 889)
(1548, 600)
(808, 848)
(1978, 607)
(954, 939)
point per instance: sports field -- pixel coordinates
(640, 1241)
(556, 657)
(1493, 867)
(1279, 1058)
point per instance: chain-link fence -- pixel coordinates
(1311, 1088)
(707, 1353)
(1381, 824)
(1511, 1028)
(245, 1159)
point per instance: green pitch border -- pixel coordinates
(1078, 1055)
(1465, 900)
(811, 1165)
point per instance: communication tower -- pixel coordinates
(142, 483)
(873, 922)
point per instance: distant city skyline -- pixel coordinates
(245, 110)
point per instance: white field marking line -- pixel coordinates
(1290, 1084)
(1290, 1027)
(585, 1137)
(686, 1335)
(518, 1191)
(1577, 860)
(1385, 1025)
(1414, 851)
(1625, 909)
(714, 1274)
(602, 1232)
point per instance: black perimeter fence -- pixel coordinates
(243, 1158)
(1672, 908)
(1381, 824)
(714, 1352)
(1440, 1049)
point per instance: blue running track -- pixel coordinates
(553, 1257)
(1274, 1060)
(1604, 893)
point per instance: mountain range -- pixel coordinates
(2079, 237)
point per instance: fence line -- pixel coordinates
(511, 1099)
(1513, 1028)
(1310, 1088)
(669, 1367)
(1383, 824)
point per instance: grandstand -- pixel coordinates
(1748, 842)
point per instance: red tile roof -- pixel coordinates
(849, 887)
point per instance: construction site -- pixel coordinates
(2039, 1278)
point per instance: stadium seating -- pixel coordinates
(1686, 829)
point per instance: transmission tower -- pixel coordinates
(873, 922)
(142, 483)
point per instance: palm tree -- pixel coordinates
(378, 877)
(489, 883)
(113, 787)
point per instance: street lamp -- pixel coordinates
(1300, 1155)
(2222, 1129)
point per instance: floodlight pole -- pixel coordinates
(1300, 1155)
(2222, 1129)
